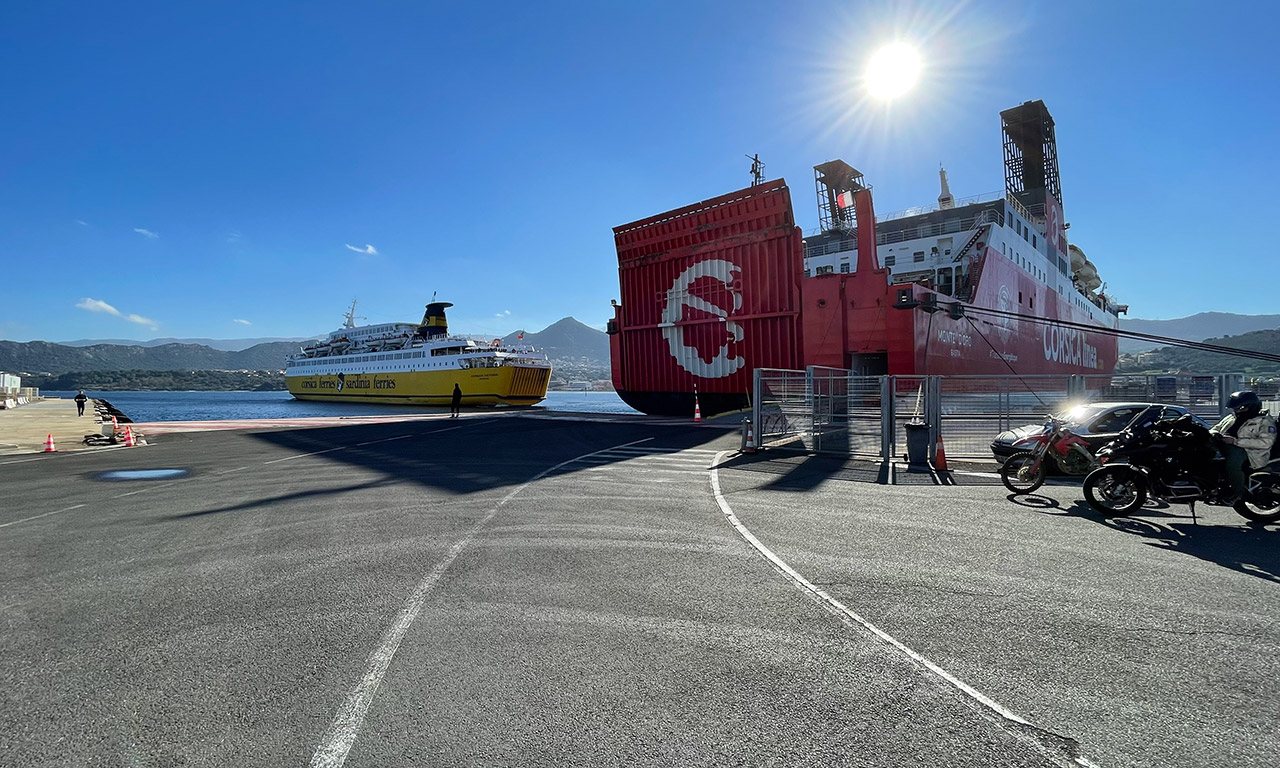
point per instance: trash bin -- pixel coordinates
(917, 442)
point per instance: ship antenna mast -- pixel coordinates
(351, 316)
(757, 169)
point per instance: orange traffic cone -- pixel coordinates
(128, 437)
(114, 426)
(697, 411)
(940, 457)
(751, 439)
(48, 445)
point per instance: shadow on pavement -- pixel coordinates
(479, 454)
(1250, 549)
(803, 472)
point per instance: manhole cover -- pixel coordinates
(143, 474)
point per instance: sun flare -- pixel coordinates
(893, 70)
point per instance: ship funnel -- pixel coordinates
(434, 325)
(945, 201)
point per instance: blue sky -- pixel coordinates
(245, 169)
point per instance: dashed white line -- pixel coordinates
(37, 517)
(384, 440)
(227, 471)
(149, 488)
(338, 739)
(850, 618)
(300, 455)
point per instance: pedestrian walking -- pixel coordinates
(80, 401)
(457, 400)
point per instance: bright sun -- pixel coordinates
(893, 70)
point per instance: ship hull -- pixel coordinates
(507, 385)
(713, 292)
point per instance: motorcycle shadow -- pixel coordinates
(1251, 549)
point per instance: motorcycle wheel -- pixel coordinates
(1115, 491)
(1017, 475)
(1264, 506)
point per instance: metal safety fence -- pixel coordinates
(831, 410)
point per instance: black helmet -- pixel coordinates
(1245, 405)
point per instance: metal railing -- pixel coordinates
(830, 410)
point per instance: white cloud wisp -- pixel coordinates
(368, 250)
(242, 322)
(146, 233)
(97, 305)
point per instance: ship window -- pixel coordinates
(890, 260)
(806, 273)
(917, 257)
(1004, 249)
(1033, 241)
(1019, 297)
(844, 268)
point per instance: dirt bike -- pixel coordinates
(1025, 471)
(1178, 462)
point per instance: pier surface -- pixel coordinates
(24, 429)
(517, 590)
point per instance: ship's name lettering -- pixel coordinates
(1068, 345)
(384, 383)
(955, 338)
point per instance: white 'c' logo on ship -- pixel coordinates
(679, 297)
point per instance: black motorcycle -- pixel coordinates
(1176, 461)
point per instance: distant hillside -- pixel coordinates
(227, 345)
(567, 338)
(43, 357)
(1205, 325)
(1180, 358)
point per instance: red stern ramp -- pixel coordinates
(710, 292)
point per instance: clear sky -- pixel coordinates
(244, 169)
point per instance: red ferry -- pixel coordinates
(717, 289)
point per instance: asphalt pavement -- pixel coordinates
(502, 590)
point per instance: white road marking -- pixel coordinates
(37, 517)
(341, 735)
(149, 488)
(87, 452)
(227, 471)
(300, 455)
(384, 440)
(850, 618)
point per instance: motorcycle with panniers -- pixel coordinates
(1173, 458)
(1056, 444)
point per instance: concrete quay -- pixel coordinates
(24, 429)
(547, 591)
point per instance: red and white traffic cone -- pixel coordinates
(697, 410)
(114, 426)
(940, 456)
(128, 437)
(48, 445)
(751, 438)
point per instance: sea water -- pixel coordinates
(213, 406)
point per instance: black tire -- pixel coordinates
(1264, 507)
(1016, 473)
(1115, 491)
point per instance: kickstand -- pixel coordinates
(1194, 520)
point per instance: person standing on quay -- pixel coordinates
(80, 401)
(457, 400)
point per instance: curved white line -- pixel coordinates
(846, 614)
(338, 739)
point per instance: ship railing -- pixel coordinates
(920, 210)
(948, 227)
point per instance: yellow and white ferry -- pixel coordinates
(415, 364)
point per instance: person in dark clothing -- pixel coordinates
(80, 401)
(457, 400)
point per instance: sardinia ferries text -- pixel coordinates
(1068, 345)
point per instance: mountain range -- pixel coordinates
(579, 348)
(1198, 327)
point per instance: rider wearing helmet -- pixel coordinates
(1248, 434)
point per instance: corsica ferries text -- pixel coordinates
(1068, 345)
(351, 382)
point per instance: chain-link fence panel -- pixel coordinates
(976, 409)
